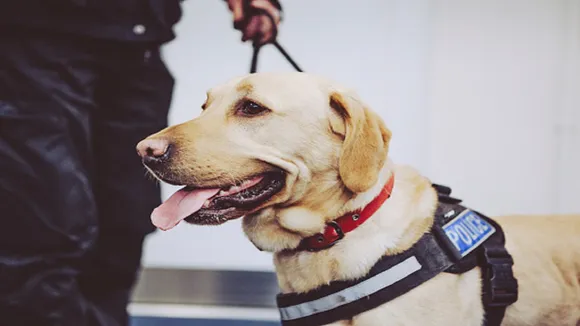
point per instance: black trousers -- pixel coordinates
(74, 198)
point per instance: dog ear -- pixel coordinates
(366, 142)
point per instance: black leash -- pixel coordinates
(254, 65)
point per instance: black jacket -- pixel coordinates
(124, 20)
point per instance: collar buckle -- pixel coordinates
(338, 230)
(325, 237)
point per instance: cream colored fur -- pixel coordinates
(334, 150)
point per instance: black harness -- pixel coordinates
(460, 240)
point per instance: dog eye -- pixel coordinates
(249, 108)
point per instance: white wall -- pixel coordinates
(480, 95)
(504, 100)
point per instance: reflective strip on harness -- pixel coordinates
(353, 293)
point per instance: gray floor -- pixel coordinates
(159, 321)
(207, 287)
(202, 288)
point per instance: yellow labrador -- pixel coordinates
(291, 152)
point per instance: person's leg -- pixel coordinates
(47, 207)
(133, 100)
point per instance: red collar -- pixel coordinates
(335, 230)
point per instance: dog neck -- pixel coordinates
(395, 227)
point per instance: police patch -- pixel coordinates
(467, 231)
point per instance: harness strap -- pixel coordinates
(390, 278)
(499, 286)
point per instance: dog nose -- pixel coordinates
(153, 150)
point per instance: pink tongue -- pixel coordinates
(179, 206)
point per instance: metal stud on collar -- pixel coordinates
(355, 217)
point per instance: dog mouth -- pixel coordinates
(214, 206)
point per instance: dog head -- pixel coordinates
(284, 150)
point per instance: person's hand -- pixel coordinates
(257, 28)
